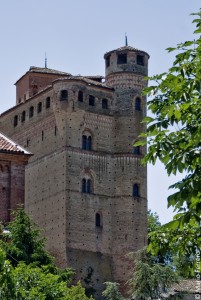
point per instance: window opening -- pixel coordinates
(80, 96)
(91, 100)
(39, 107)
(140, 60)
(64, 95)
(31, 112)
(47, 102)
(122, 58)
(88, 187)
(138, 104)
(136, 190)
(83, 185)
(105, 104)
(98, 220)
(107, 61)
(15, 121)
(23, 116)
(136, 150)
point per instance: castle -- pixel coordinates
(85, 185)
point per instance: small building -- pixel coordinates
(13, 159)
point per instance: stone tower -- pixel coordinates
(85, 185)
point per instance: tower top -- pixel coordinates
(45, 61)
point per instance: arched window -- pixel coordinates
(83, 185)
(86, 186)
(89, 143)
(23, 117)
(136, 150)
(86, 142)
(136, 192)
(31, 112)
(138, 104)
(80, 96)
(39, 107)
(104, 103)
(47, 105)
(98, 221)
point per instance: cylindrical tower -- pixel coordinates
(126, 67)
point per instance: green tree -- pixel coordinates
(26, 243)
(150, 279)
(112, 292)
(174, 137)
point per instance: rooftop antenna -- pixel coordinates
(45, 61)
(126, 40)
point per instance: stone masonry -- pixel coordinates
(85, 186)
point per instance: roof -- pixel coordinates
(9, 146)
(86, 80)
(33, 69)
(125, 48)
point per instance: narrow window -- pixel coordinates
(107, 61)
(83, 185)
(136, 150)
(91, 100)
(89, 143)
(15, 121)
(31, 112)
(136, 192)
(55, 130)
(84, 142)
(88, 186)
(42, 135)
(23, 116)
(64, 95)
(80, 96)
(105, 104)
(138, 104)
(140, 60)
(98, 220)
(39, 107)
(47, 104)
(122, 58)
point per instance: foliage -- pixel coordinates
(174, 137)
(111, 291)
(26, 244)
(27, 271)
(153, 221)
(150, 280)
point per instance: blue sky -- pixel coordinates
(75, 34)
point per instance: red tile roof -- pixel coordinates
(9, 146)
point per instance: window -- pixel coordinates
(91, 100)
(105, 104)
(47, 104)
(80, 96)
(140, 60)
(31, 112)
(86, 186)
(39, 107)
(136, 192)
(122, 58)
(86, 142)
(136, 150)
(98, 220)
(15, 121)
(138, 104)
(23, 116)
(64, 95)
(107, 61)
